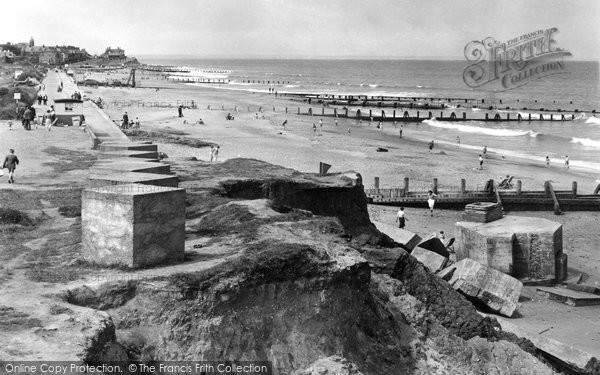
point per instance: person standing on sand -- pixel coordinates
(457, 141)
(125, 121)
(431, 201)
(314, 128)
(431, 144)
(400, 131)
(336, 122)
(45, 99)
(401, 218)
(180, 110)
(349, 131)
(547, 162)
(484, 151)
(567, 161)
(216, 153)
(480, 161)
(10, 162)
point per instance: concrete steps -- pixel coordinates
(117, 154)
(123, 178)
(138, 146)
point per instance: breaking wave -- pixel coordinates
(476, 129)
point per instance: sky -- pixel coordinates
(299, 28)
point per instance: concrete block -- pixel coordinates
(406, 238)
(123, 178)
(132, 146)
(150, 155)
(537, 244)
(433, 243)
(486, 285)
(133, 225)
(482, 212)
(130, 166)
(492, 250)
(569, 296)
(434, 262)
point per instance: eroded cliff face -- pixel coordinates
(295, 287)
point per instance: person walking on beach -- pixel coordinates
(457, 141)
(45, 99)
(547, 162)
(10, 162)
(27, 119)
(180, 110)
(401, 218)
(321, 124)
(431, 201)
(125, 121)
(48, 120)
(400, 131)
(314, 128)
(349, 131)
(484, 151)
(480, 162)
(567, 161)
(431, 144)
(216, 153)
(212, 153)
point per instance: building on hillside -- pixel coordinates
(50, 57)
(114, 53)
(6, 56)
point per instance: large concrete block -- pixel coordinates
(493, 250)
(133, 225)
(404, 237)
(495, 289)
(120, 146)
(434, 262)
(537, 245)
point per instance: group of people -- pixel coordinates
(42, 99)
(126, 123)
(547, 161)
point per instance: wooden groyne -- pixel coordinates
(418, 116)
(514, 198)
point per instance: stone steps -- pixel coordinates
(138, 146)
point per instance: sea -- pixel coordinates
(576, 88)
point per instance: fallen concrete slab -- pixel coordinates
(434, 262)
(404, 237)
(583, 288)
(496, 290)
(150, 155)
(132, 146)
(569, 297)
(130, 166)
(432, 243)
(578, 360)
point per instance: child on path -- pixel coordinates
(401, 218)
(480, 161)
(10, 162)
(431, 201)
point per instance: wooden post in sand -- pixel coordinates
(463, 186)
(370, 114)
(435, 186)
(406, 186)
(519, 187)
(298, 110)
(394, 114)
(574, 189)
(346, 112)
(376, 185)
(323, 111)
(285, 109)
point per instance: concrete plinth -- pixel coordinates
(482, 212)
(137, 146)
(116, 154)
(536, 245)
(130, 166)
(133, 225)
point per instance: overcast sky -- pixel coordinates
(298, 28)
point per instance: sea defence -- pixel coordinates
(133, 213)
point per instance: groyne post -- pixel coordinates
(435, 186)
(464, 115)
(547, 188)
(323, 111)
(406, 185)
(371, 114)
(519, 187)
(286, 110)
(346, 112)
(574, 189)
(394, 114)
(463, 186)
(376, 185)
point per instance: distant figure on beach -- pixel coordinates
(401, 218)
(484, 150)
(321, 124)
(45, 99)
(214, 153)
(567, 161)
(431, 144)
(284, 124)
(180, 111)
(457, 141)
(400, 131)
(314, 128)
(349, 131)
(10, 162)
(547, 162)
(395, 123)
(431, 201)
(480, 161)
(336, 122)
(217, 153)
(136, 124)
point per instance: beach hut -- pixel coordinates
(68, 111)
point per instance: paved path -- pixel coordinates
(95, 119)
